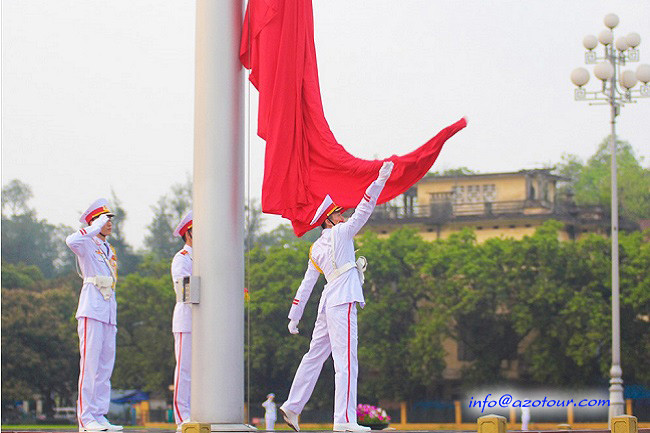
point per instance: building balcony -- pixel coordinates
(446, 212)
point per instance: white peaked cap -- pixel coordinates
(99, 207)
(184, 225)
(326, 208)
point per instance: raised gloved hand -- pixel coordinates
(385, 171)
(100, 221)
(293, 326)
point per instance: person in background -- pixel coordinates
(270, 416)
(525, 418)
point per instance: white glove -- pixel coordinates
(385, 171)
(100, 221)
(293, 326)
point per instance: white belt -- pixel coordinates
(178, 288)
(103, 283)
(339, 271)
(100, 281)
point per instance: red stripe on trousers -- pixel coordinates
(178, 376)
(347, 402)
(83, 371)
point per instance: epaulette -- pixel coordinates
(184, 252)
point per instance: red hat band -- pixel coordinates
(97, 212)
(185, 228)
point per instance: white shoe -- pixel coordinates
(349, 426)
(93, 426)
(109, 427)
(290, 417)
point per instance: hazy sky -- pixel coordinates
(97, 96)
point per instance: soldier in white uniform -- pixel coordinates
(270, 414)
(335, 330)
(182, 323)
(96, 316)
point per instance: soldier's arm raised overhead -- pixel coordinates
(367, 204)
(76, 239)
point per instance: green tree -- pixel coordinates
(635, 306)
(591, 182)
(459, 171)
(168, 211)
(39, 344)
(28, 240)
(128, 260)
(284, 235)
(390, 343)
(20, 276)
(15, 196)
(145, 344)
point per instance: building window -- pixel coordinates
(489, 193)
(458, 194)
(474, 193)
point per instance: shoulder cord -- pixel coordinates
(313, 262)
(332, 250)
(105, 260)
(77, 266)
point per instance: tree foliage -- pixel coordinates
(591, 181)
(39, 339)
(29, 240)
(128, 260)
(168, 211)
(145, 355)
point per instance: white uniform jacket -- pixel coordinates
(346, 287)
(92, 254)
(182, 267)
(270, 413)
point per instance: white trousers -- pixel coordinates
(270, 423)
(183, 351)
(97, 358)
(335, 332)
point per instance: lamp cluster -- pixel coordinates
(617, 53)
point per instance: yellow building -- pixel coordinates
(495, 204)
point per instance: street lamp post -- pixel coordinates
(615, 93)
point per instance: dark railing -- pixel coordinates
(444, 211)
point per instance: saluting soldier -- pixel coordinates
(270, 414)
(96, 316)
(182, 323)
(335, 330)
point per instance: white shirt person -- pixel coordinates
(182, 324)
(96, 316)
(335, 330)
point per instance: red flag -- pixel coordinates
(303, 160)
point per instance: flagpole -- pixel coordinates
(217, 396)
